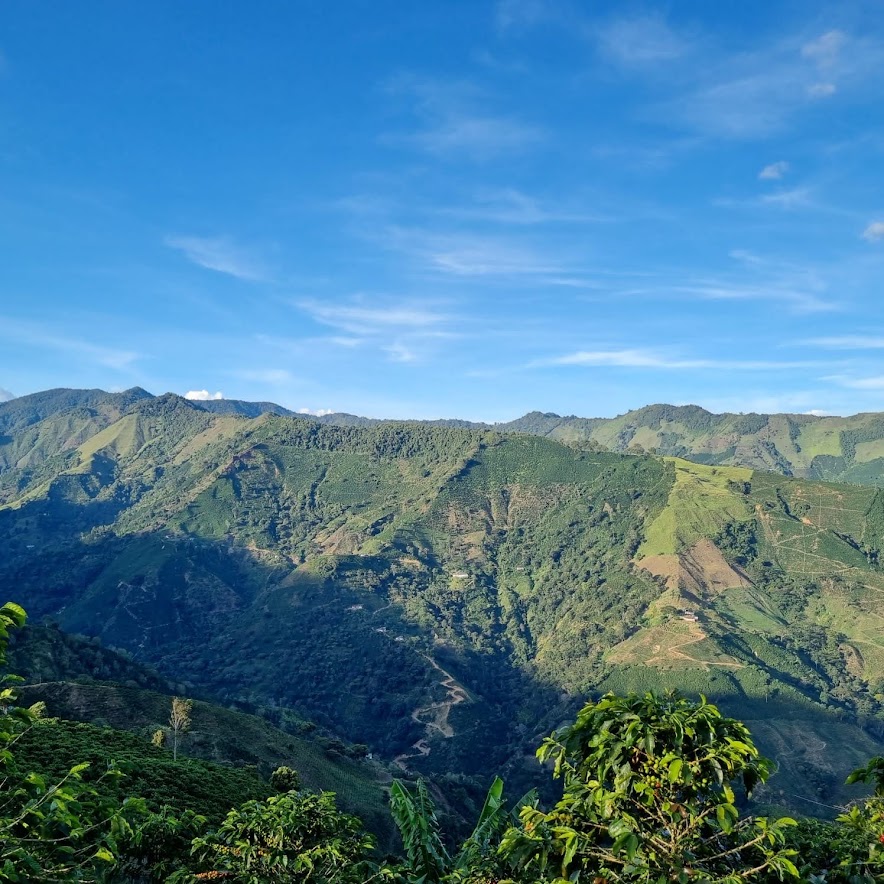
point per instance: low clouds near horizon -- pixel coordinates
(202, 395)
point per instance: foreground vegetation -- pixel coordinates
(651, 790)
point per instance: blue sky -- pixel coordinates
(466, 209)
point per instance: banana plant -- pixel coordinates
(427, 860)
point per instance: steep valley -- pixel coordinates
(447, 595)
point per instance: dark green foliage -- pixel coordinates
(738, 542)
(650, 793)
(60, 828)
(247, 742)
(46, 653)
(426, 859)
(243, 409)
(829, 851)
(866, 820)
(295, 837)
(157, 846)
(284, 779)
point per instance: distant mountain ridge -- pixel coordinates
(843, 449)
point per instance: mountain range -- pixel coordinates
(445, 593)
(839, 449)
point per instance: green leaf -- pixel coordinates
(675, 770)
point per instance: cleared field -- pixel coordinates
(700, 502)
(674, 645)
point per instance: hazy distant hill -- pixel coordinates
(849, 449)
(447, 595)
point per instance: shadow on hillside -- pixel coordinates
(242, 630)
(246, 630)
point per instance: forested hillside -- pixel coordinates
(445, 595)
(841, 449)
(838, 449)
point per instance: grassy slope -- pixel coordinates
(52, 747)
(700, 503)
(223, 736)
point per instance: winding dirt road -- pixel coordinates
(434, 716)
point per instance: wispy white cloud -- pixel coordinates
(471, 254)
(20, 332)
(478, 136)
(747, 257)
(869, 383)
(380, 216)
(342, 341)
(202, 395)
(361, 319)
(316, 412)
(640, 41)
(805, 198)
(220, 254)
(799, 299)
(450, 119)
(5, 395)
(512, 206)
(399, 352)
(847, 342)
(774, 171)
(640, 358)
(821, 90)
(795, 198)
(522, 13)
(403, 331)
(298, 347)
(498, 63)
(874, 232)
(825, 50)
(756, 93)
